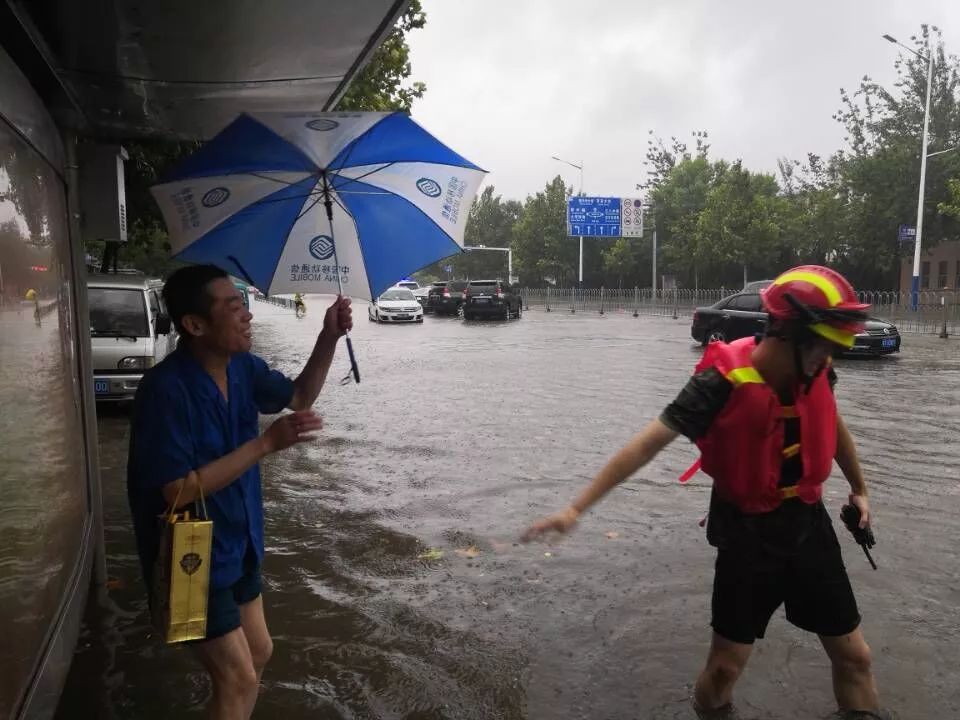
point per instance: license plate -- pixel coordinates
(889, 342)
(481, 301)
(101, 387)
(402, 317)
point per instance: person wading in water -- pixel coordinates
(762, 412)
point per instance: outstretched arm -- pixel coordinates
(638, 452)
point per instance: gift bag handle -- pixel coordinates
(172, 510)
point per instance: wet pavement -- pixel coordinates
(394, 584)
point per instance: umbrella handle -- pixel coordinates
(354, 368)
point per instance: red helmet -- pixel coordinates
(819, 298)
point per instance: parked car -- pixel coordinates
(755, 286)
(490, 298)
(733, 317)
(446, 298)
(421, 294)
(741, 315)
(130, 331)
(395, 305)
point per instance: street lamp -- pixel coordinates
(580, 168)
(915, 283)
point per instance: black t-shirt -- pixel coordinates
(782, 530)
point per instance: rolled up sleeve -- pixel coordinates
(698, 404)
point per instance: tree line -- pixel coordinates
(719, 222)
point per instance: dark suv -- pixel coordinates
(490, 298)
(446, 298)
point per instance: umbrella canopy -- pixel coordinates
(319, 202)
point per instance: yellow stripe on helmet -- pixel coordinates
(826, 287)
(834, 335)
(739, 376)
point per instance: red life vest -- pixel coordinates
(743, 449)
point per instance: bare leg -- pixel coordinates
(230, 665)
(726, 661)
(254, 626)
(853, 683)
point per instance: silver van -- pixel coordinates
(130, 331)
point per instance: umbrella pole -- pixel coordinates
(328, 205)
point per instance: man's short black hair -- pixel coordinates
(185, 293)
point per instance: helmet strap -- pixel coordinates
(801, 337)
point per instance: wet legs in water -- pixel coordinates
(713, 693)
(849, 654)
(236, 662)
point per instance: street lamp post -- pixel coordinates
(915, 282)
(580, 168)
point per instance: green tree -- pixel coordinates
(382, 83)
(818, 214)
(662, 158)
(678, 199)
(952, 206)
(880, 167)
(741, 222)
(490, 223)
(619, 260)
(544, 252)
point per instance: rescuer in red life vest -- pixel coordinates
(762, 412)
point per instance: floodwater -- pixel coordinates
(395, 587)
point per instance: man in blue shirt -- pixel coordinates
(195, 426)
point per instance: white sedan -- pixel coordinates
(395, 305)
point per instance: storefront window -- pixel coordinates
(42, 461)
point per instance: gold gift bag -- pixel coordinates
(181, 575)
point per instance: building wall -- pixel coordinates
(46, 517)
(939, 267)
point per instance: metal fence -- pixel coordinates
(935, 311)
(274, 300)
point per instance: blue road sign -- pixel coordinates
(906, 235)
(593, 216)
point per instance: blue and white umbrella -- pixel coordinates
(320, 202)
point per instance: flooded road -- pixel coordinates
(394, 585)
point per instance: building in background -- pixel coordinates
(939, 267)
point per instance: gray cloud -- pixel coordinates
(512, 83)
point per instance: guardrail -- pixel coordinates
(937, 311)
(273, 300)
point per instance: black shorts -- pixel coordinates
(223, 604)
(752, 581)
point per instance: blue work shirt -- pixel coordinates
(180, 423)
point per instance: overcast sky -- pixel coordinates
(510, 83)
